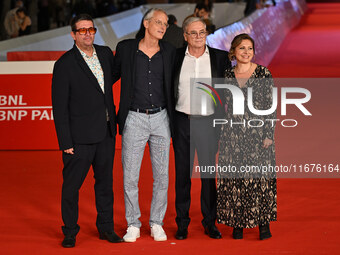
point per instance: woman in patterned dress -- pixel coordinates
(247, 199)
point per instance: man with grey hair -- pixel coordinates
(145, 113)
(193, 127)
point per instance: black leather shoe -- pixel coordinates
(69, 242)
(112, 237)
(181, 234)
(212, 232)
(238, 233)
(265, 232)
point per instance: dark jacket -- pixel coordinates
(125, 68)
(79, 105)
(219, 62)
(174, 35)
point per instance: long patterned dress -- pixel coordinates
(246, 200)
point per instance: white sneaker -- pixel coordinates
(157, 232)
(132, 233)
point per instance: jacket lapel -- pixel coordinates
(178, 66)
(166, 65)
(105, 69)
(133, 62)
(213, 63)
(80, 60)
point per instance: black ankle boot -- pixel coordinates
(264, 231)
(238, 233)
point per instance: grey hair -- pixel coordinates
(149, 14)
(190, 20)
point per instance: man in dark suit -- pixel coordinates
(174, 33)
(85, 122)
(194, 129)
(144, 116)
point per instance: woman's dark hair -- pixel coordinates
(201, 6)
(78, 18)
(237, 41)
(208, 4)
(22, 9)
(172, 19)
(141, 32)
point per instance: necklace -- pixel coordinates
(251, 64)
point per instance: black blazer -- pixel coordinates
(219, 62)
(79, 105)
(174, 35)
(125, 68)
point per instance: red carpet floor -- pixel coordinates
(308, 209)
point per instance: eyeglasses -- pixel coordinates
(160, 23)
(83, 31)
(195, 34)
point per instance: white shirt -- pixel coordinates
(191, 99)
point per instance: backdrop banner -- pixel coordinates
(26, 119)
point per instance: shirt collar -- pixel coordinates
(161, 47)
(84, 54)
(206, 51)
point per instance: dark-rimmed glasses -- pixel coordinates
(195, 34)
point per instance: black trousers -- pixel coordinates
(100, 156)
(200, 138)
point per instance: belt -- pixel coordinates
(148, 111)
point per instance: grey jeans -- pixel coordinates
(139, 129)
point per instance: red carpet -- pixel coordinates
(308, 209)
